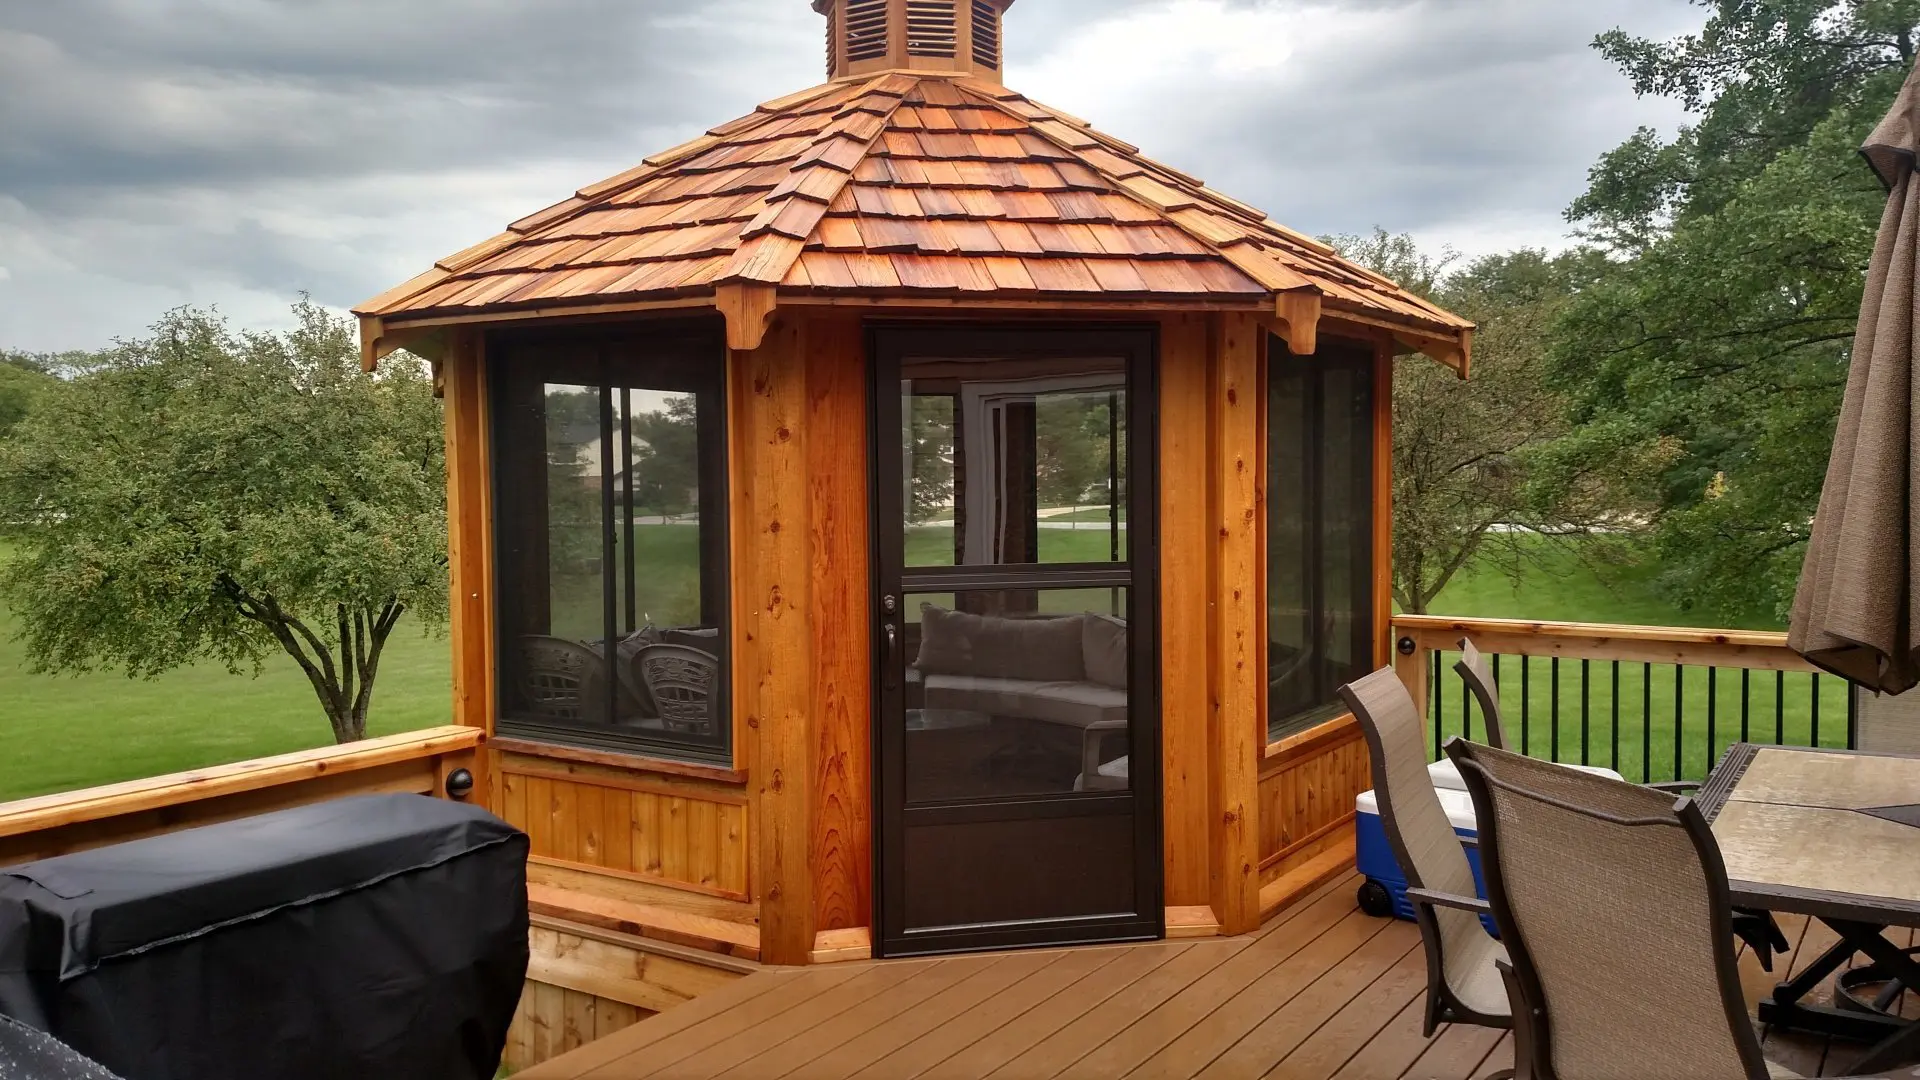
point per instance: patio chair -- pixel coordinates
(679, 679)
(1612, 901)
(560, 679)
(1757, 928)
(1463, 983)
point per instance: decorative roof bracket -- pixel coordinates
(1299, 310)
(748, 308)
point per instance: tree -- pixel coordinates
(1464, 451)
(666, 453)
(1722, 323)
(206, 495)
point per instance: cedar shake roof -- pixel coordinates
(907, 184)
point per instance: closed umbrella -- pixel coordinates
(1859, 595)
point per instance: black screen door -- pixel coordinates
(1017, 727)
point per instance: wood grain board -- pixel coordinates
(1320, 991)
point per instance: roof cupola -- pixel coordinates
(865, 36)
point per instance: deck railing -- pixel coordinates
(416, 761)
(1652, 702)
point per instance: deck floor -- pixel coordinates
(1321, 992)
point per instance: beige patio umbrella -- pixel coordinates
(1859, 596)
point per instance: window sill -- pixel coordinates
(1311, 742)
(613, 759)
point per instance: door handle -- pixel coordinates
(892, 657)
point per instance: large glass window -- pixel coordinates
(1320, 424)
(611, 551)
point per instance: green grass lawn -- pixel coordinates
(1777, 708)
(59, 732)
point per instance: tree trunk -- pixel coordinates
(345, 689)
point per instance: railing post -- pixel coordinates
(1411, 659)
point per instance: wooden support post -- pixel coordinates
(469, 532)
(839, 610)
(778, 686)
(1412, 667)
(1237, 637)
(1383, 503)
(1186, 550)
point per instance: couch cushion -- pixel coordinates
(1104, 647)
(1042, 649)
(1072, 704)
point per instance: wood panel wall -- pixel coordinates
(1306, 802)
(670, 830)
(585, 984)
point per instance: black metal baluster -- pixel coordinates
(1713, 706)
(1466, 713)
(1614, 760)
(1526, 699)
(1779, 708)
(1553, 744)
(1746, 702)
(1815, 740)
(1586, 737)
(1646, 723)
(1679, 716)
(1853, 715)
(1437, 698)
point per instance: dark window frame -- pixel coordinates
(682, 357)
(1359, 361)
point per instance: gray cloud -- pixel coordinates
(235, 152)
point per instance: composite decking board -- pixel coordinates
(987, 1018)
(780, 1059)
(1090, 1030)
(1456, 1050)
(731, 1038)
(1286, 1028)
(983, 984)
(1393, 1049)
(1149, 1034)
(1197, 1048)
(1357, 1022)
(1321, 992)
(1087, 993)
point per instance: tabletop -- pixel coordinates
(1829, 833)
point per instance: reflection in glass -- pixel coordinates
(1319, 532)
(1012, 463)
(1016, 692)
(612, 578)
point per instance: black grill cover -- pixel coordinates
(375, 936)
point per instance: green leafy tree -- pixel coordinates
(1075, 446)
(931, 451)
(205, 495)
(1465, 452)
(1721, 325)
(666, 458)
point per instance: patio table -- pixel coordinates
(1834, 835)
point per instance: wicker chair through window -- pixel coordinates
(560, 679)
(1612, 900)
(679, 679)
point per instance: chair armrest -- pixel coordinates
(1429, 898)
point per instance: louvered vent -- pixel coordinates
(833, 38)
(931, 28)
(986, 34)
(866, 29)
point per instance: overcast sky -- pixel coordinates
(237, 152)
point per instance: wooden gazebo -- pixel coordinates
(905, 519)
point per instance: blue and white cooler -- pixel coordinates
(1384, 892)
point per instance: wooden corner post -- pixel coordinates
(776, 680)
(470, 543)
(1237, 511)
